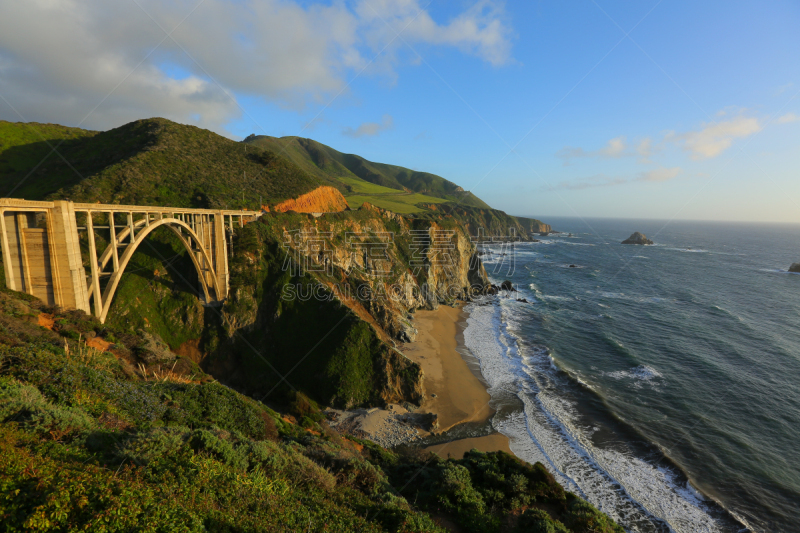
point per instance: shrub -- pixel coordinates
(143, 448)
(202, 440)
(583, 517)
(538, 521)
(24, 404)
(457, 492)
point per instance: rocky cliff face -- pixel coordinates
(320, 200)
(327, 298)
(532, 225)
(387, 265)
(486, 223)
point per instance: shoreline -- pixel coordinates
(453, 390)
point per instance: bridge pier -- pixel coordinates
(41, 248)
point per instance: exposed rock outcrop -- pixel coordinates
(154, 349)
(795, 268)
(320, 200)
(637, 238)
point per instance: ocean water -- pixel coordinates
(661, 383)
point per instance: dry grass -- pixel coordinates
(164, 376)
(88, 355)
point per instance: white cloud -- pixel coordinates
(659, 174)
(645, 150)
(370, 129)
(480, 30)
(59, 59)
(788, 118)
(615, 148)
(598, 180)
(714, 138)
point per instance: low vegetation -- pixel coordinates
(88, 442)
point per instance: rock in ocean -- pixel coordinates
(637, 238)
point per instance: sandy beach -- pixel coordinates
(454, 393)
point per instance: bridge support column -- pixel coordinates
(69, 276)
(220, 255)
(45, 262)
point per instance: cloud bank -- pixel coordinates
(714, 138)
(101, 64)
(660, 174)
(707, 142)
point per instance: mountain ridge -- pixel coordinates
(326, 162)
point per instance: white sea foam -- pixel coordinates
(688, 250)
(623, 296)
(639, 376)
(637, 494)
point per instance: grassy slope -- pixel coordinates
(149, 162)
(87, 443)
(326, 163)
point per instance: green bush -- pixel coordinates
(144, 448)
(25, 405)
(583, 517)
(538, 521)
(456, 493)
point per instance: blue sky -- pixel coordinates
(648, 109)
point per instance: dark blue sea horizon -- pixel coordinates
(652, 371)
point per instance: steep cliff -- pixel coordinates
(320, 200)
(321, 301)
(485, 222)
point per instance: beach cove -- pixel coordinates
(453, 391)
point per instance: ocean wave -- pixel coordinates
(689, 250)
(778, 271)
(640, 495)
(630, 298)
(555, 298)
(725, 312)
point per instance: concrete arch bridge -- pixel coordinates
(42, 253)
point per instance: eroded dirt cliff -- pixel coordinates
(320, 200)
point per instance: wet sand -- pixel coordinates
(460, 395)
(457, 448)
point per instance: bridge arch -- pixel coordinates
(176, 226)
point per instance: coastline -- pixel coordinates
(454, 392)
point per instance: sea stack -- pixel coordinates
(795, 268)
(637, 238)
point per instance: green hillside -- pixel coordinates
(107, 441)
(149, 162)
(397, 184)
